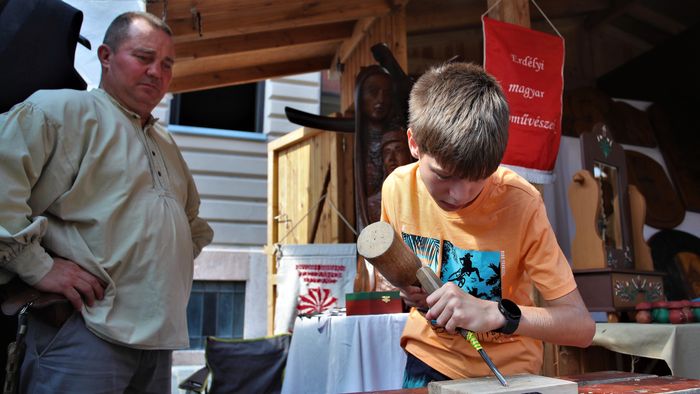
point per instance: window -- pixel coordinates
(215, 309)
(237, 107)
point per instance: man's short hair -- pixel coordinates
(458, 115)
(118, 30)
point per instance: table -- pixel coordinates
(677, 344)
(336, 354)
(607, 382)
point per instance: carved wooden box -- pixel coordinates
(610, 290)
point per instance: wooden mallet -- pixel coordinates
(379, 244)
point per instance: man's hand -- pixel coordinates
(76, 284)
(414, 296)
(453, 308)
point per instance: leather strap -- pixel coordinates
(17, 299)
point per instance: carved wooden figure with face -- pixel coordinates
(395, 150)
(376, 99)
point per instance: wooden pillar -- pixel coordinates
(516, 12)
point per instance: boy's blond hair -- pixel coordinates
(459, 116)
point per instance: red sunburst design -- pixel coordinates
(316, 301)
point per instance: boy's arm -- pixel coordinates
(563, 321)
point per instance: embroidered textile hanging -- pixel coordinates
(312, 279)
(529, 66)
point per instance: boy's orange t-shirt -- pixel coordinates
(496, 247)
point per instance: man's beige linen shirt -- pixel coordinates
(81, 179)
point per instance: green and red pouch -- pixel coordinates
(373, 303)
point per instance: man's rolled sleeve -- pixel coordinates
(22, 254)
(27, 140)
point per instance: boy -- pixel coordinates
(484, 230)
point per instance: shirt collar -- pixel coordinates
(151, 120)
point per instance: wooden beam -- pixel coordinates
(345, 49)
(182, 9)
(238, 60)
(263, 40)
(616, 33)
(657, 19)
(641, 29)
(247, 74)
(603, 18)
(425, 17)
(279, 15)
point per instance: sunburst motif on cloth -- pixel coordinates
(317, 300)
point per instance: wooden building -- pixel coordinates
(229, 42)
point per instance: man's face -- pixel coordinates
(376, 96)
(449, 192)
(139, 71)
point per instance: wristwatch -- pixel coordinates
(512, 313)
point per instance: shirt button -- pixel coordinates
(153, 152)
(158, 173)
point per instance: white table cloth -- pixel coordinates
(677, 344)
(338, 354)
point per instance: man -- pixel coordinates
(99, 206)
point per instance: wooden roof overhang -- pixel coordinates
(227, 42)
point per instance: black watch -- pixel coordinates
(512, 313)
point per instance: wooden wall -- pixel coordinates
(303, 166)
(389, 29)
(231, 170)
(302, 92)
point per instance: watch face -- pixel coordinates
(510, 309)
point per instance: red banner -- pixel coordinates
(529, 66)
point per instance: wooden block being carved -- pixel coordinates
(386, 251)
(516, 384)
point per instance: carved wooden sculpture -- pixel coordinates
(587, 250)
(379, 128)
(642, 252)
(381, 105)
(373, 111)
(605, 160)
(612, 265)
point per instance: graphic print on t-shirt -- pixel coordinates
(427, 249)
(476, 272)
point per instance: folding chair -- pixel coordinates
(241, 366)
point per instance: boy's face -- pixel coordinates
(450, 193)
